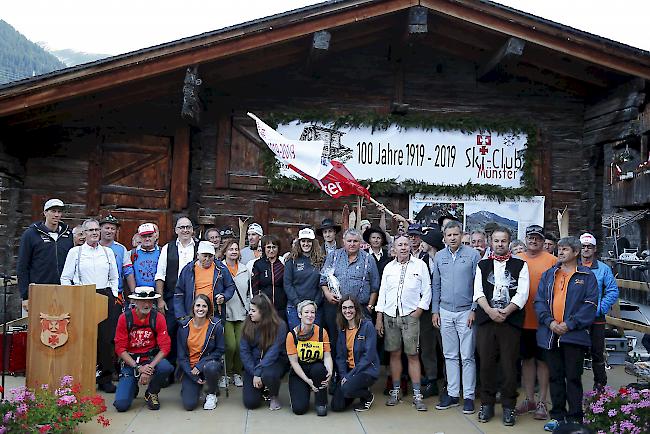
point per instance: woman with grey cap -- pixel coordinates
(302, 275)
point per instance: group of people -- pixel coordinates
(210, 313)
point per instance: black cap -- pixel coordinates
(535, 230)
(109, 219)
(327, 224)
(433, 237)
(375, 230)
(414, 229)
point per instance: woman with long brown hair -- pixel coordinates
(268, 275)
(263, 353)
(302, 275)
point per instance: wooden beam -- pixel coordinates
(93, 194)
(318, 49)
(261, 213)
(633, 284)
(508, 54)
(627, 325)
(224, 135)
(180, 168)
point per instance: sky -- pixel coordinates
(119, 26)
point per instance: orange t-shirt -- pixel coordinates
(536, 267)
(203, 280)
(233, 270)
(291, 345)
(559, 294)
(195, 341)
(350, 334)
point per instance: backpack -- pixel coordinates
(128, 315)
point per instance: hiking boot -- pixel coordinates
(447, 402)
(321, 410)
(210, 402)
(485, 413)
(152, 400)
(237, 380)
(468, 406)
(526, 406)
(393, 397)
(541, 413)
(430, 389)
(418, 403)
(274, 403)
(364, 405)
(509, 416)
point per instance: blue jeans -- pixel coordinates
(292, 317)
(128, 383)
(190, 389)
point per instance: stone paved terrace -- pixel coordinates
(231, 417)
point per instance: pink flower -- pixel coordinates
(63, 391)
(66, 380)
(3, 430)
(66, 400)
(611, 413)
(45, 428)
(21, 409)
(45, 386)
(8, 416)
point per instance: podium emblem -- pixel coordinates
(54, 329)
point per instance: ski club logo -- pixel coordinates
(483, 141)
(54, 329)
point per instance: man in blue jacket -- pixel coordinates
(219, 288)
(607, 296)
(43, 249)
(565, 305)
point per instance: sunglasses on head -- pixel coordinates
(145, 294)
(226, 232)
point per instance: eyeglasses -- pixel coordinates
(91, 230)
(589, 247)
(347, 308)
(184, 228)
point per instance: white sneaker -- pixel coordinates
(223, 382)
(210, 402)
(236, 378)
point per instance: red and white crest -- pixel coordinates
(483, 140)
(54, 329)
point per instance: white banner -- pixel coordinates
(475, 212)
(434, 157)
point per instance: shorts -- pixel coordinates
(402, 329)
(529, 348)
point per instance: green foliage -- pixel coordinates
(386, 187)
(21, 58)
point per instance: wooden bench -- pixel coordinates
(614, 319)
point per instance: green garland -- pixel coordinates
(386, 187)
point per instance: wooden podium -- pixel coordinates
(62, 332)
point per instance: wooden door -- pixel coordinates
(135, 183)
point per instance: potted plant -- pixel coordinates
(626, 411)
(50, 411)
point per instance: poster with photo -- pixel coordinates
(475, 212)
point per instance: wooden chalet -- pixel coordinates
(110, 135)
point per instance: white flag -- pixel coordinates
(304, 155)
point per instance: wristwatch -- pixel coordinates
(371, 307)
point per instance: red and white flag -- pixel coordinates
(302, 154)
(336, 181)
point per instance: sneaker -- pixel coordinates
(274, 403)
(485, 413)
(447, 402)
(237, 380)
(152, 400)
(551, 425)
(468, 406)
(509, 416)
(210, 402)
(587, 364)
(430, 389)
(365, 405)
(321, 410)
(393, 397)
(541, 413)
(526, 406)
(418, 403)
(223, 381)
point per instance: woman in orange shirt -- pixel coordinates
(308, 348)
(200, 349)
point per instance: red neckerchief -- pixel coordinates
(503, 258)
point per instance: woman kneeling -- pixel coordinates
(200, 349)
(308, 348)
(358, 365)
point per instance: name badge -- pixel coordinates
(310, 351)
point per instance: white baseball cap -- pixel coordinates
(306, 233)
(206, 247)
(588, 239)
(256, 229)
(146, 229)
(53, 203)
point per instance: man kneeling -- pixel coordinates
(141, 342)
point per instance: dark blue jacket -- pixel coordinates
(222, 283)
(366, 359)
(251, 355)
(40, 257)
(579, 309)
(302, 281)
(213, 348)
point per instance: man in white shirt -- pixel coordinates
(94, 264)
(501, 291)
(404, 293)
(173, 257)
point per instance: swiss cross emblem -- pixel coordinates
(54, 329)
(483, 141)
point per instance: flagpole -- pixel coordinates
(390, 213)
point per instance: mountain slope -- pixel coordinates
(20, 58)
